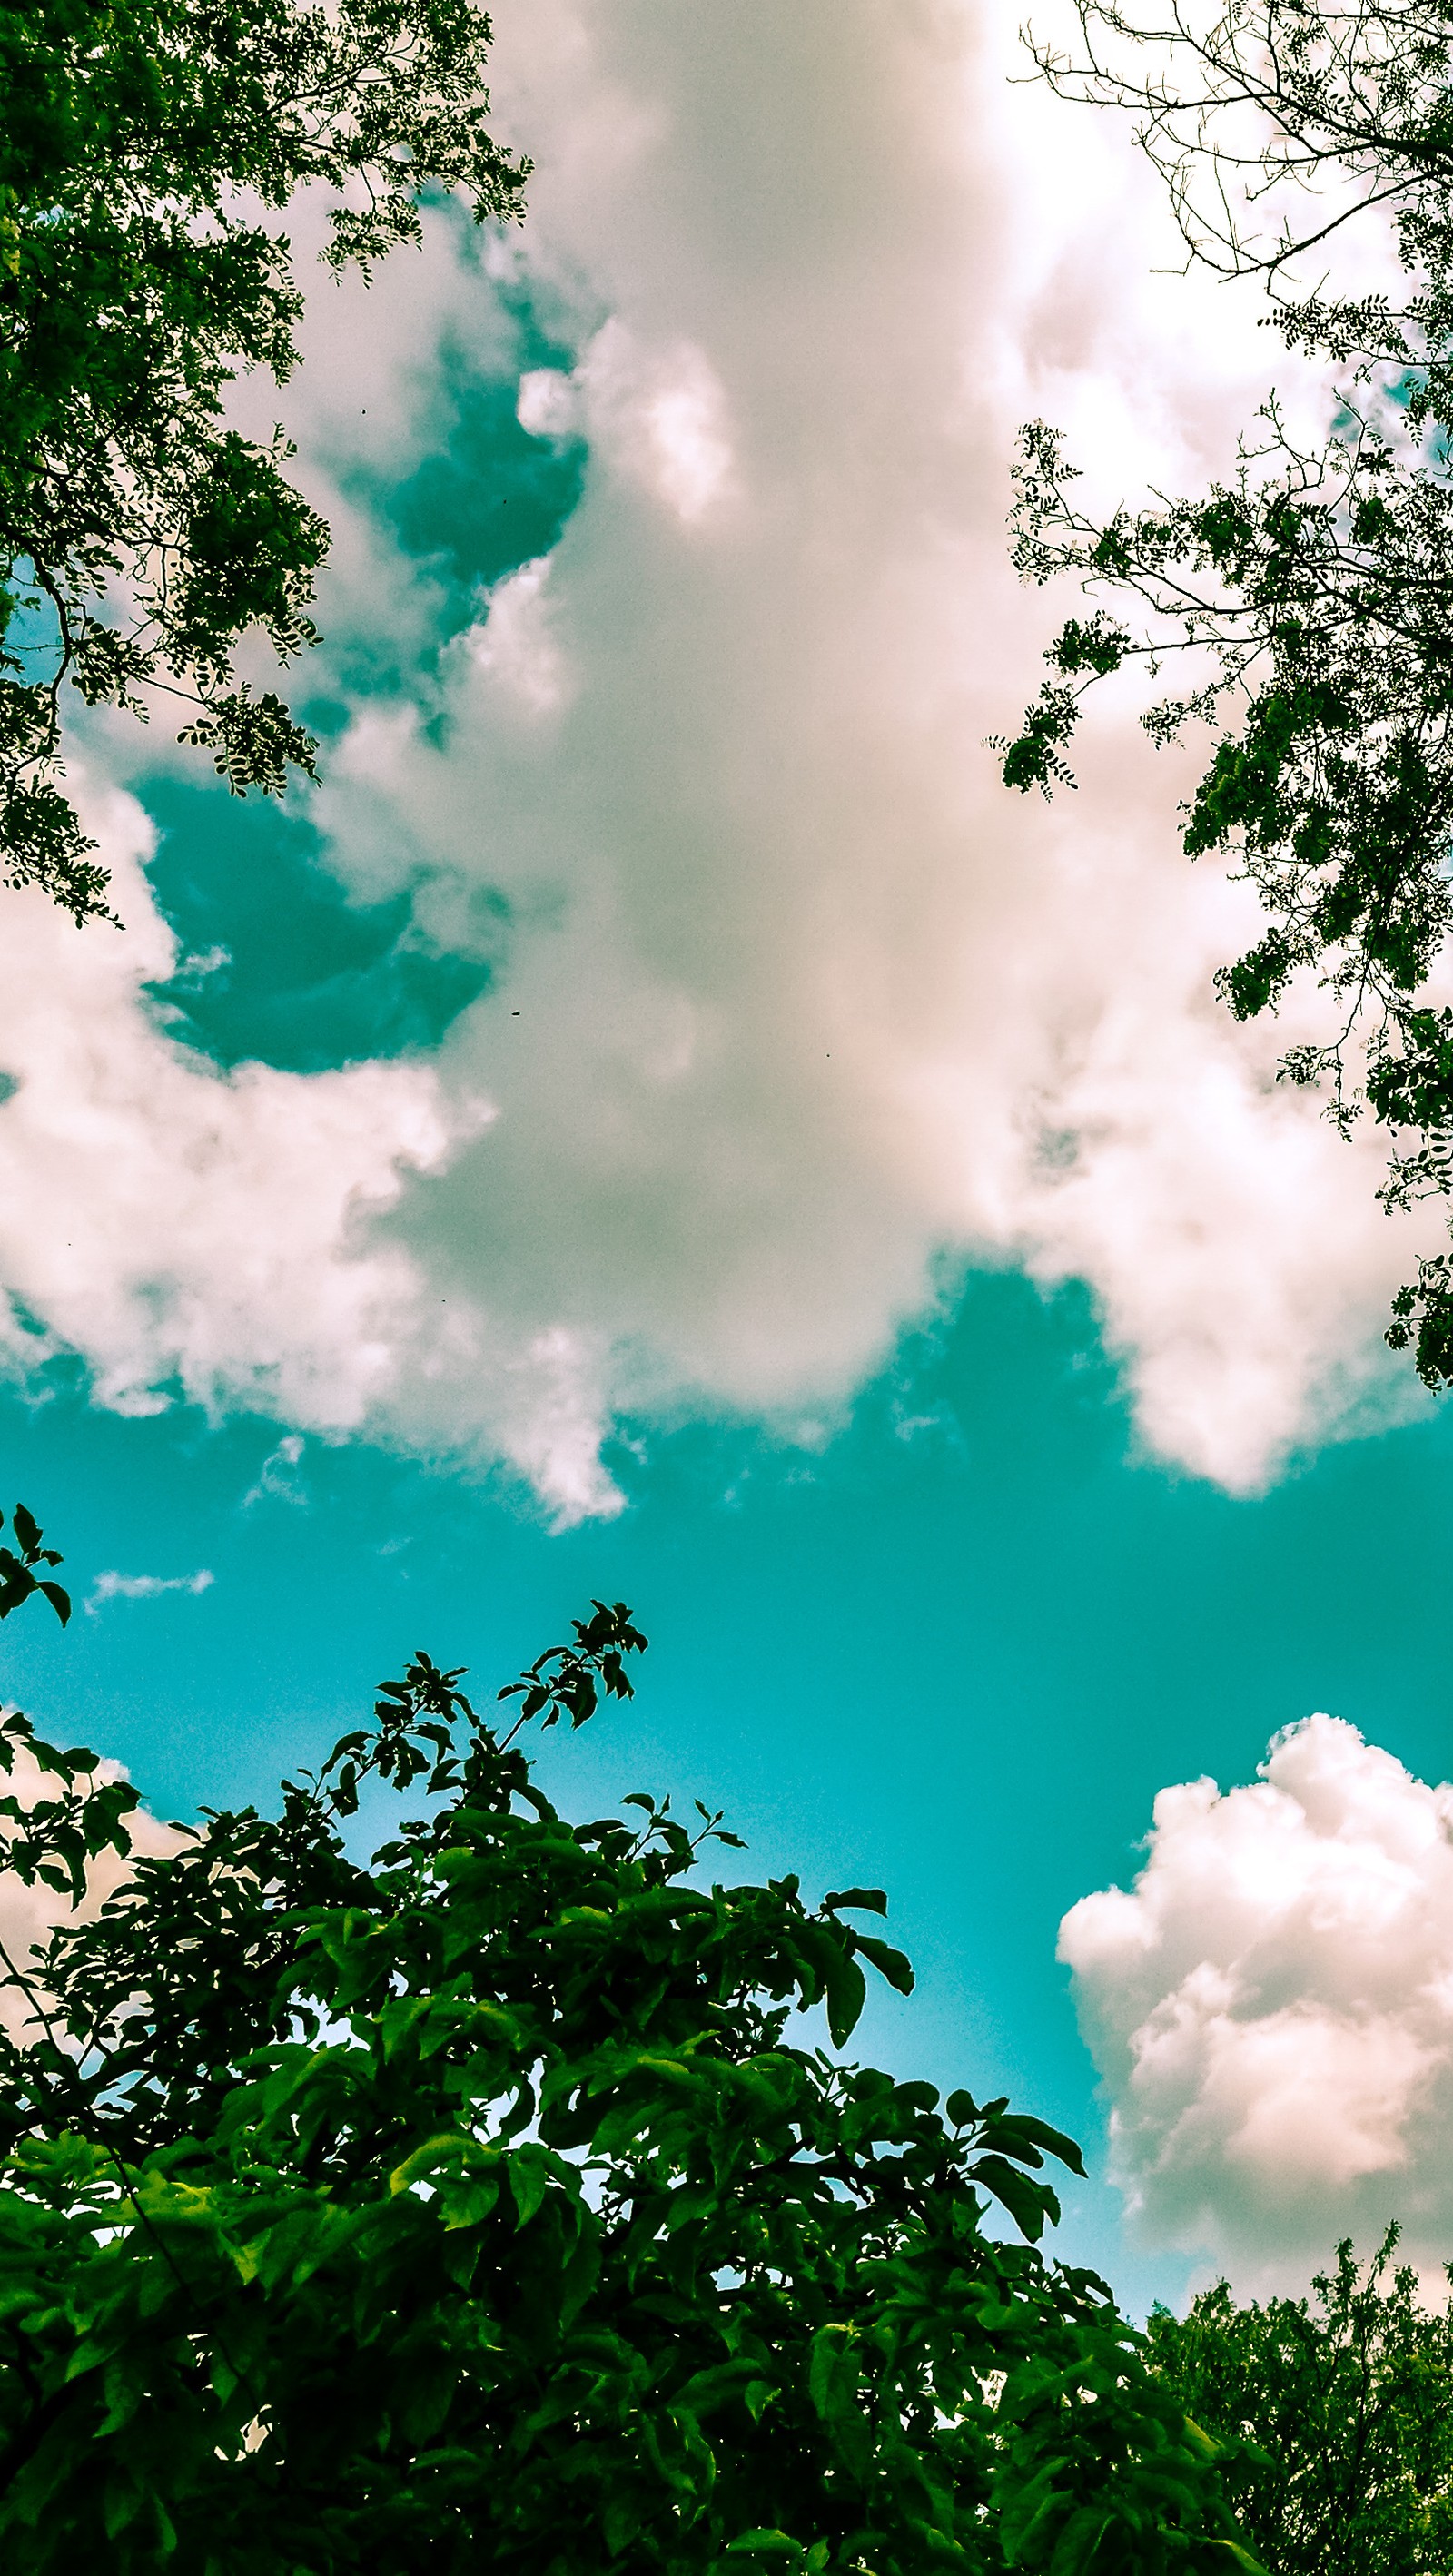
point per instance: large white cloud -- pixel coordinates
(797, 995)
(190, 1231)
(1271, 2010)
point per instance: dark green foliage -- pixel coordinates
(1312, 597)
(1335, 2416)
(489, 2205)
(139, 539)
(18, 1577)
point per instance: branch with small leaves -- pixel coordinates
(141, 540)
(566, 1681)
(1310, 598)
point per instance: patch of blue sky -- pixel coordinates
(484, 496)
(490, 495)
(31, 631)
(280, 965)
(954, 1651)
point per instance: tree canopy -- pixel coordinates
(1309, 598)
(1334, 2415)
(493, 2203)
(141, 538)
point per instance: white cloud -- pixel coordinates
(187, 1229)
(112, 1586)
(1271, 2010)
(548, 405)
(277, 1478)
(515, 648)
(797, 995)
(660, 414)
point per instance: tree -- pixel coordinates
(1335, 2417)
(489, 2205)
(140, 538)
(1311, 596)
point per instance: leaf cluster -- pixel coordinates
(140, 540)
(18, 1577)
(489, 2204)
(1332, 2413)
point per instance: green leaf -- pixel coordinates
(529, 2171)
(425, 2159)
(846, 1995)
(834, 2385)
(706, 2391)
(1029, 2203)
(889, 1963)
(1016, 2127)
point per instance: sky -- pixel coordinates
(660, 1121)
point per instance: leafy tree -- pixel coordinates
(141, 539)
(1310, 598)
(1336, 2417)
(490, 2205)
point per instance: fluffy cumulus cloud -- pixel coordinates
(1271, 2010)
(796, 995)
(190, 1231)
